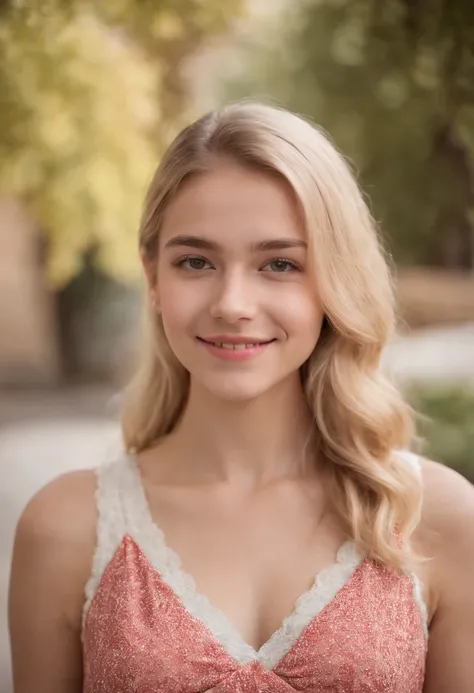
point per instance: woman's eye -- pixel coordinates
(194, 263)
(281, 265)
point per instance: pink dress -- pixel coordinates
(361, 628)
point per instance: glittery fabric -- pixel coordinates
(139, 638)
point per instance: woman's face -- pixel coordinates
(238, 303)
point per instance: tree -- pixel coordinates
(393, 84)
(91, 92)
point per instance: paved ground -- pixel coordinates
(42, 435)
(435, 355)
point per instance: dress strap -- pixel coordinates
(115, 492)
(412, 460)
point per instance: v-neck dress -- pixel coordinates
(361, 628)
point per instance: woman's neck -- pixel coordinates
(252, 441)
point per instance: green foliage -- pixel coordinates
(91, 92)
(447, 425)
(393, 84)
(79, 103)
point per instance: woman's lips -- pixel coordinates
(235, 350)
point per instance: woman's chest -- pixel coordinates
(252, 558)
(359, 631)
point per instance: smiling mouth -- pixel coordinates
(233, 346)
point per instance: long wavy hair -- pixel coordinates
(360, 419)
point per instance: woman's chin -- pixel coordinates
(236, 388)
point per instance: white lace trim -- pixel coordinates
(327, 584)
(110, 526)
(413, 461)
(419, 600)
(153, 543)
(123, 509)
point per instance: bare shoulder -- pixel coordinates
(52, 560)
(448, 506)
(446, 532)
(63, 510)
(55, 535)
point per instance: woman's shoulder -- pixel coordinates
(448, 502)
(55, 539)
(63, 509)
(448, 498)
(445, 534)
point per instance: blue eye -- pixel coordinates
(281, 266)
(194, 262)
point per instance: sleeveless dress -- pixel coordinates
(361, 628)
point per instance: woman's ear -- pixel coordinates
(149, 269)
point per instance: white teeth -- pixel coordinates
(236, 347)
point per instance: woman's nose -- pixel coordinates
(234, 300)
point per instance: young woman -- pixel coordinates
(267, 529)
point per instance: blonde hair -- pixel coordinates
(359, 417)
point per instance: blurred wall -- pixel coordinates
(28, 349)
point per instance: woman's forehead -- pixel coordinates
(233, 204)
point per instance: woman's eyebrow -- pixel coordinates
(280, 244)
(191, 242)
(205, 244)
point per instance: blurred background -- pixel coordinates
(90, 95)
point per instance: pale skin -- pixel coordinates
(237, 499)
